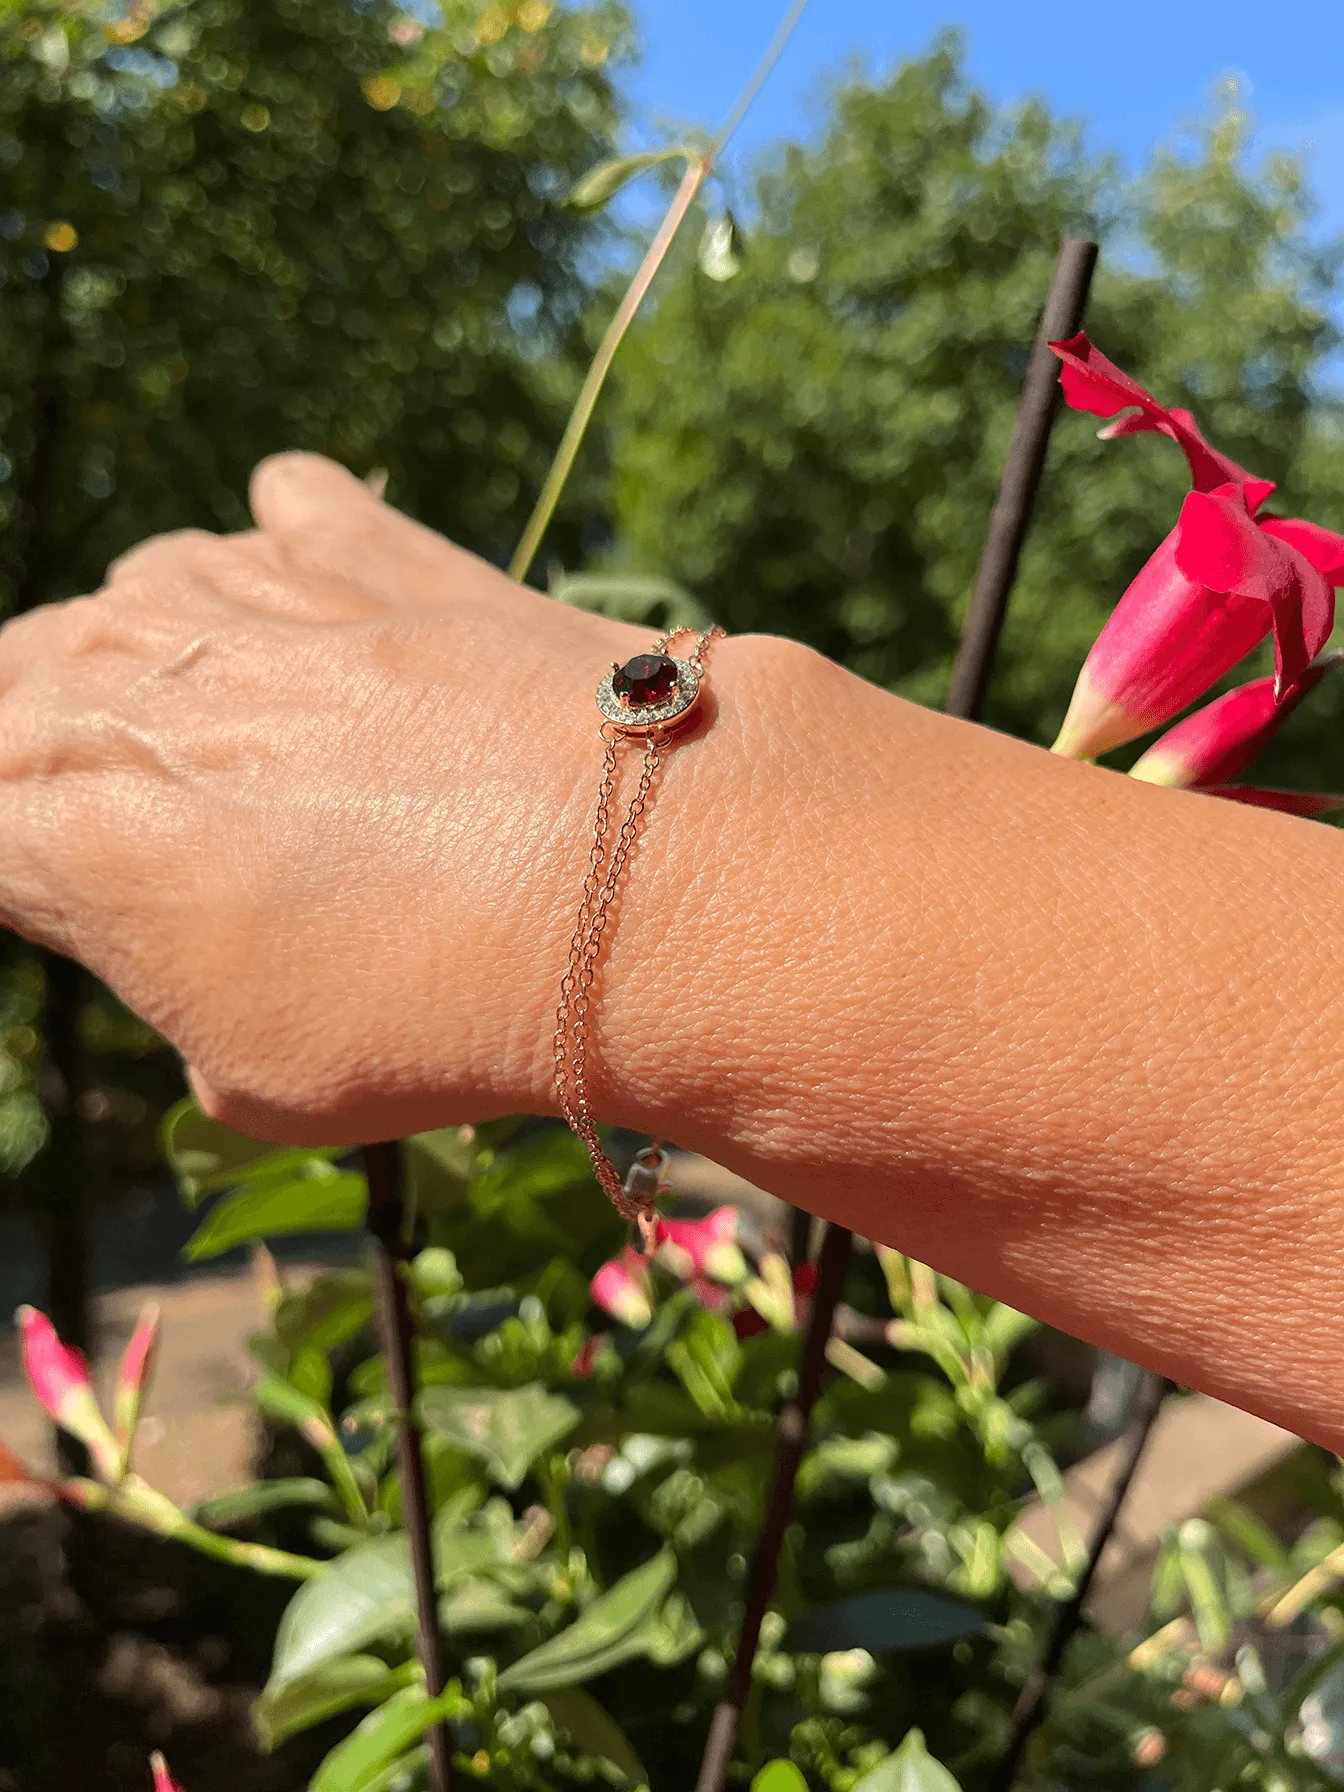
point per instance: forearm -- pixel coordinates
(1072, 1039)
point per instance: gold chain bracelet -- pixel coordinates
(642, 703)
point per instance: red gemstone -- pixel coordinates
(648, 678)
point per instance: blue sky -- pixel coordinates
(1132, 70)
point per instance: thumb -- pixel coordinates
(300, 491)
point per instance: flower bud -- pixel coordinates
(133, 1372)
(622, 1288)
(59, 1376)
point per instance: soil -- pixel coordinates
(114, 1643)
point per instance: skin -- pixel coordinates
(316, 801)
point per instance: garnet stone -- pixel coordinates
(647, 679)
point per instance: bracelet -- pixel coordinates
(642, 703)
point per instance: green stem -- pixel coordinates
(697, 172)
(758, 80)
(344, 1480)
(260, 1557)
(586, 402)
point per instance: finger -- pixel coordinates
(335, 525)
(297, 491)
(164, 558)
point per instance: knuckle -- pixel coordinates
(161, 554)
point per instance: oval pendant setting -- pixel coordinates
(650, 691)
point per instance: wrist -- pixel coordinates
(703, 969)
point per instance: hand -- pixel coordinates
(316, 802)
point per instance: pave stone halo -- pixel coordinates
(648, 692)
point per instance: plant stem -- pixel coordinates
(795, 1420)
(260, 1557)
(764, 68)
(1030, 1710)
(586, 402)
(387, 1244)
(697, 172)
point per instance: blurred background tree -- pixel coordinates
(231, 229)
(813, 445)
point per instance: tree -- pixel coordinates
(814, 445)
(231, 229)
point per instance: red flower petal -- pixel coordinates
(163, 1780)
(1092, 383)
(1217, 742)
(1167, 640)
(1308, 803)
(1220, 546)
(1322, 548)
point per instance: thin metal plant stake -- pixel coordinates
(1011, 516)
(1062, 316)
(1030, 1711)
(388, 1253)
(792, 1427)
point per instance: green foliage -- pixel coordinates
(813, 446)
(230, 229)
(597, 1495)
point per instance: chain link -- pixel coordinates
(571, 1048)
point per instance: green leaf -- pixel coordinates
(243, 1503)
(332, 1202)
(607, 179)
(1004, 1328)
(627, 598)
(507, 1428)
(362, 1596)
(596, 1731)
(1241, 1527)
(897, 1618)
(204, 1155)
(384, 1735)
(910, 1769)
(278, 1399)
(435, 1273)
(333, 1308)
(611, 1630)
(351, 1680)
(779, 1776)
(477, 1608)
(207, 1157)
(1208, 1604)
(438, 1166)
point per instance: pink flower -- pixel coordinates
(1092, 383)
(163, 1780)
(1216, 743)
(623, 1287)
(1219, 583)
(60, 1379)
(700, 1248)
(133, 1372)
